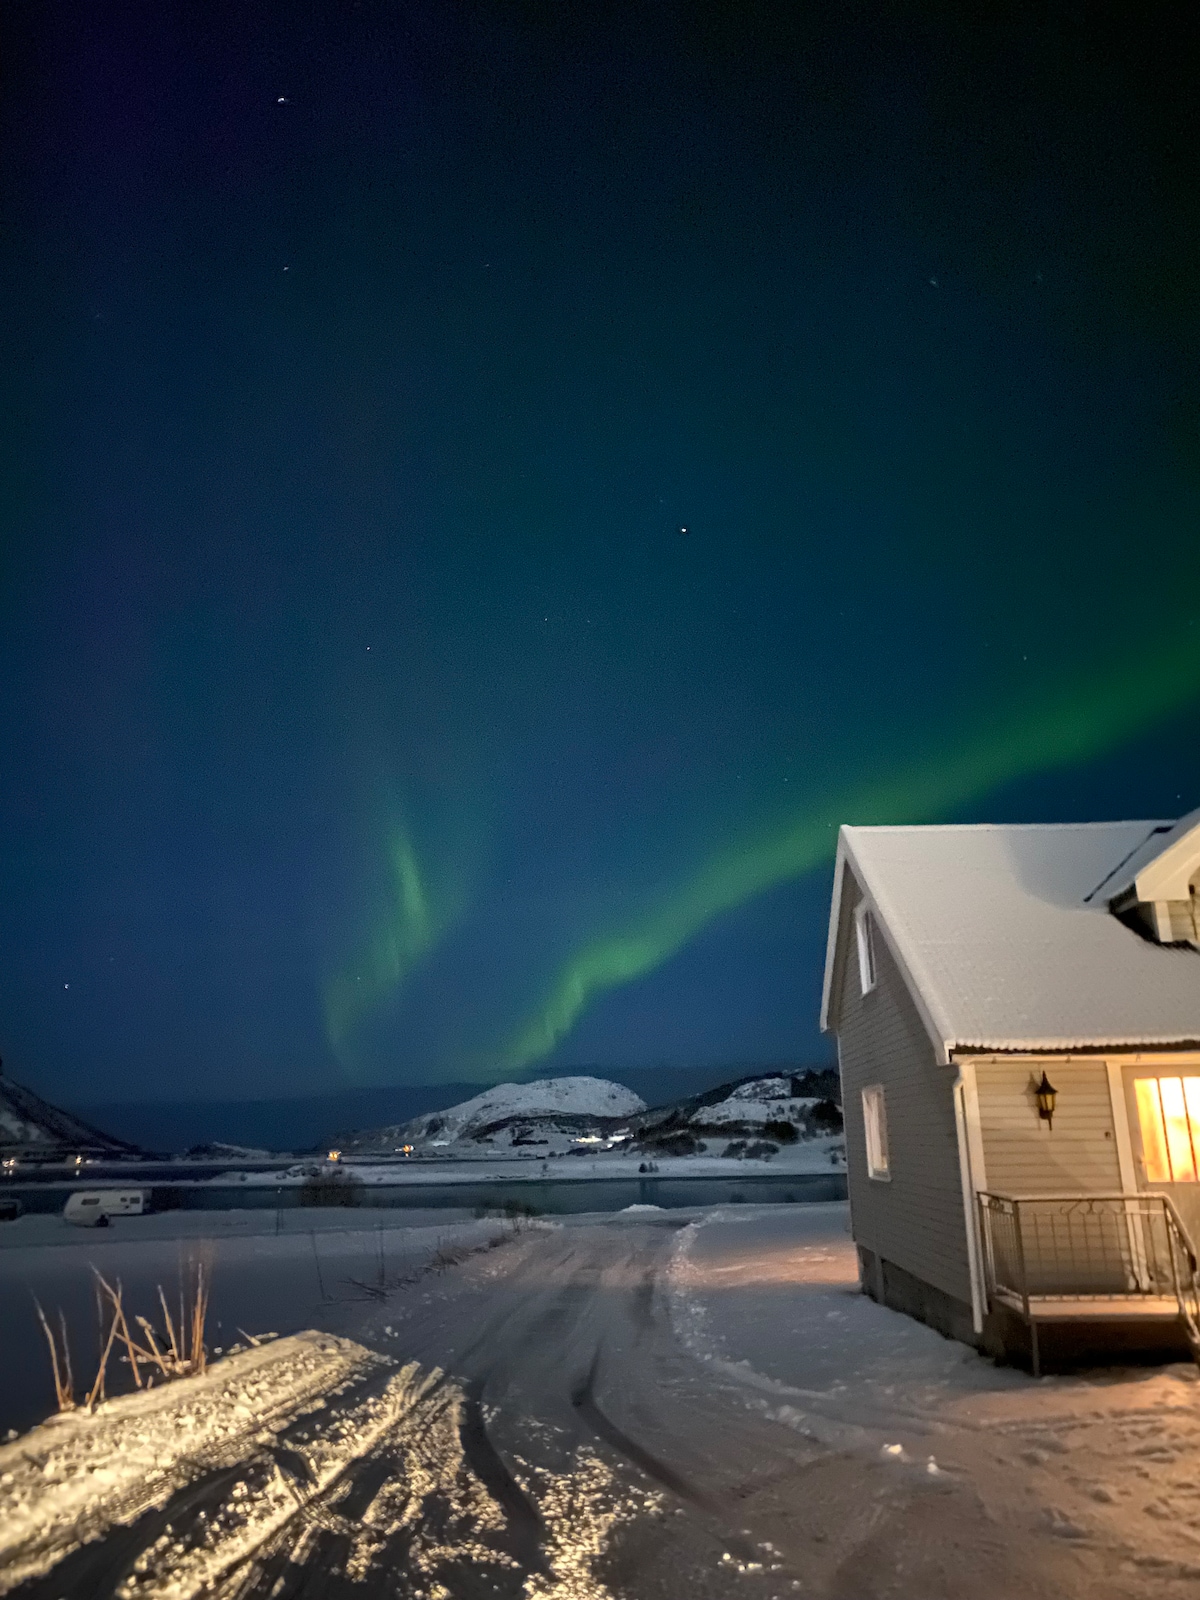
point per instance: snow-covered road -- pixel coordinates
(656, 1406)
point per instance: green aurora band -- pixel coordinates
(411, 922)
(1075, 727)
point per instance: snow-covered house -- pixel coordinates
(1017, 1012)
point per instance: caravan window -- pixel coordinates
(875, 1123)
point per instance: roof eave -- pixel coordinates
(831, 936)
(1061, 1046)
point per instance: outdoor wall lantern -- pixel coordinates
(1045, 1094)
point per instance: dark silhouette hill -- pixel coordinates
(32, 1127)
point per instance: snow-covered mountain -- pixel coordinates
(586, 1115)
(759, 1101)
(784, 1107)
(511, 1113)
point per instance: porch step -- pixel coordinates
(1096, 1308)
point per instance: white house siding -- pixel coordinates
(915, 1220)
(1022, 1155)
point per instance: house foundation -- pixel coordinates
(1008, 1339)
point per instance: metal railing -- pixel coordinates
(1120, 1247)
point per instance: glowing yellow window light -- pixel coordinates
(1179, 1136)
(1169, 1118)
(1150, 1120)
(1191, 1097)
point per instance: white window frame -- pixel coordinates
(864, 935)
(874, 1104)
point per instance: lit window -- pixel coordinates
(1169, 1119)
(864, 927)
(875, 1122)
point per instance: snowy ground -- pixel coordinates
(1105, 1463)
(262, 1281)
(774, 1300)
(310, 1455)
(649, 1405)
(52, 1231)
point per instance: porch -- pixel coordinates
(1090, 1259)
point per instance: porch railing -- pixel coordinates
(1043, 1252)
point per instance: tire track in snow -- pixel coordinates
(584, 1401)
(393, 1483)
(69, 1484)
(526, 1528)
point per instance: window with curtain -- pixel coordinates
(875, 1123)
(864, 929)
(1169, 1119)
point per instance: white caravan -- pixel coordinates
(92, 1208)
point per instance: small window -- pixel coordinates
(864, 927)
(875, 1122)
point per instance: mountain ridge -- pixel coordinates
(310, 1122)
(566, 1116)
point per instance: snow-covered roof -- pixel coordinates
(1160, 866)
(1006, 939)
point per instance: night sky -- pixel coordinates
(489, 487)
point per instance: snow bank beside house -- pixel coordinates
(768, 1299)
(772, 1294)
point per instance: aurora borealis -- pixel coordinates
(368, 714)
